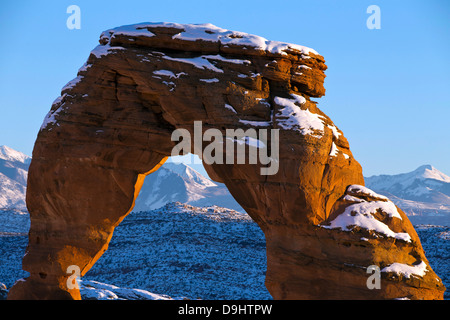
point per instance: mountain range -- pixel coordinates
(422, 192)
(172, 182)
(179, 182)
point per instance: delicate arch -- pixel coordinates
(113, 124)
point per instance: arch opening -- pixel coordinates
(209, 250)
(186, 251)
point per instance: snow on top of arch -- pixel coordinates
(208, 32)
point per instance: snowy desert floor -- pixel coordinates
(180, 251)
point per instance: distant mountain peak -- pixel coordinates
(189, 173)
(13, 178)
(179, 182)
(9, 154)
(425, 190)
(425, 167)
(429, 172)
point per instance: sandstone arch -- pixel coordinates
(112, 125)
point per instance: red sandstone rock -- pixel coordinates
(112, 126)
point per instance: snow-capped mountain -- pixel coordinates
(13, 178)
(172, 182)
(424, 191)
(179, 182)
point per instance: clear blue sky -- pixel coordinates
(388, 90)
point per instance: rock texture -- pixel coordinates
(112, 126)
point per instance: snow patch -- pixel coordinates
(50, 118)
(84, 67)
(94, 290)
(229, 107)
(256, 123)
(141, 32)
(264, 102)
(360, 214)
(170, 84)
(210, 80)
(361, 190)
(103, 50)
(334, 150)
(353, 199)
(250, 141)
(201, 62)
(72, 83)
(294, 118)
(168, 73)
(235, 61)
(407, 270)
(336, 133)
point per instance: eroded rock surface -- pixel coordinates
(112, 126)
